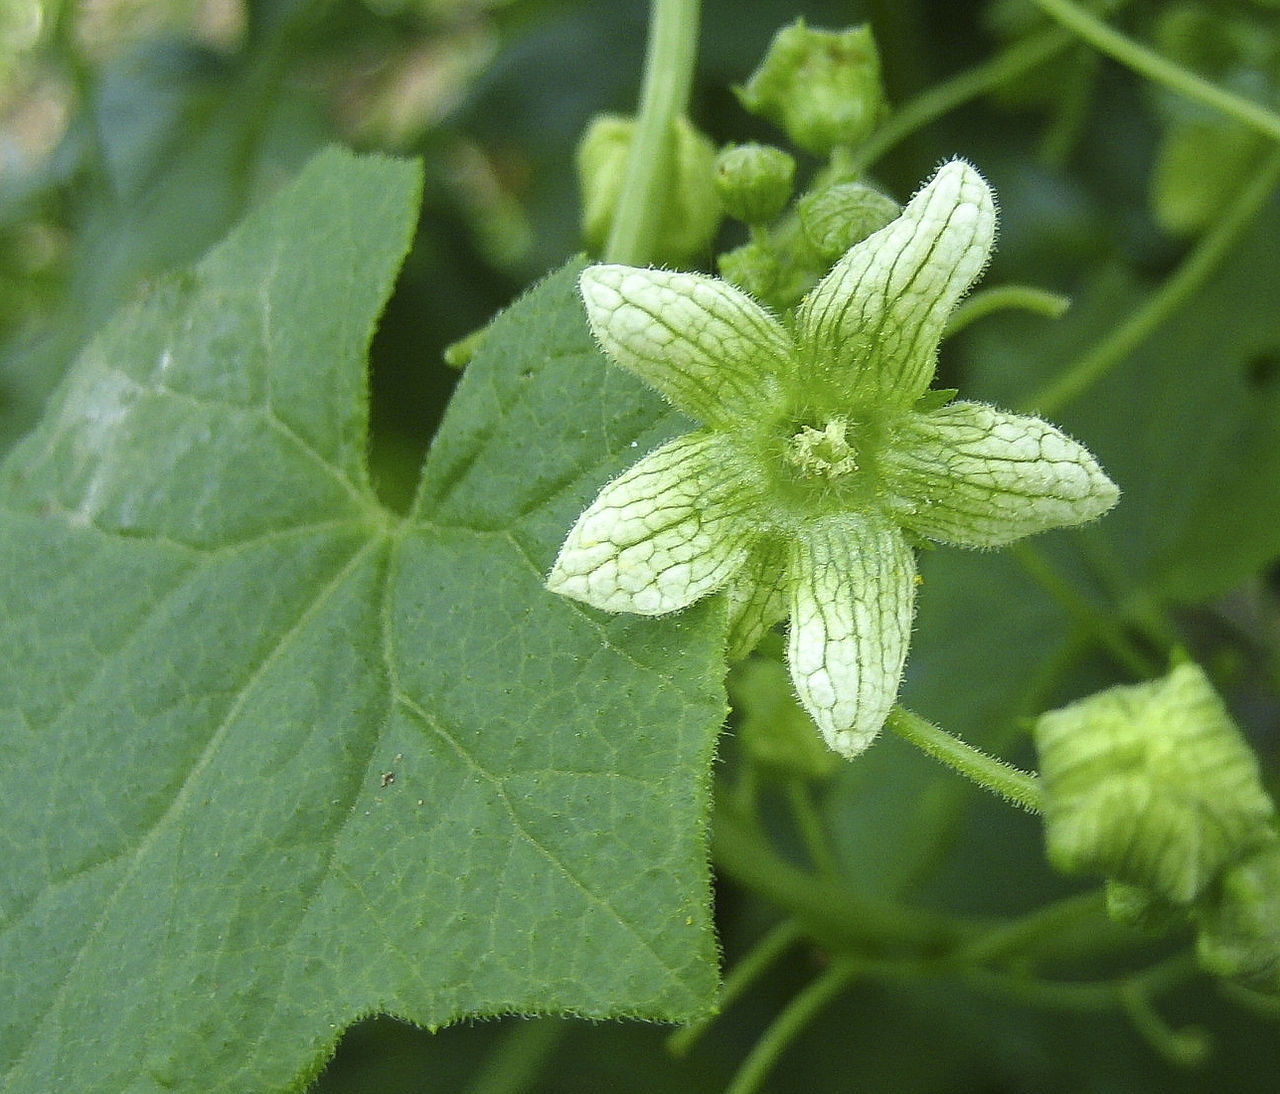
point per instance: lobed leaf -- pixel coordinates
(276, 758)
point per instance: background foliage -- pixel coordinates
(137, 135)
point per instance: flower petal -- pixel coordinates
(874, 322)
(673, 528)
(979, 477)
(708, 347)
(853, 589)
(758, 596)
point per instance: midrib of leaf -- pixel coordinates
(361, 491)
(159, 605)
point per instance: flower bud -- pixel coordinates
(822, 86)
(753, 267)
(1151, 785)
(754, 181)
(691, 210)
(836, 218)
(777, 271)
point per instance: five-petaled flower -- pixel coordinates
(822, 453)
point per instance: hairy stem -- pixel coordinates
(995, 775)
(664, 97)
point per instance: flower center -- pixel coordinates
(825, 452)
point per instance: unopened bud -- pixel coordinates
(691, 210)
(754, 181)
(1151, 785)
(822, 86)
(837, 217)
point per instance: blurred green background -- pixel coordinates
(134, 133)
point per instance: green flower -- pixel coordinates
(820, 455)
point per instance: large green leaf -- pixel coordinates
(276, 758)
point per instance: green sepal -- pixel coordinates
(757, 597)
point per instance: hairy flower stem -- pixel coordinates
(995, 775)
(664, 97)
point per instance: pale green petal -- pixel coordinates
(708, 347)
(853, 587)
(758, 596)
(979, 477)
(676, 526)
(873, 324)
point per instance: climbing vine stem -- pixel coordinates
(1110, 41)
(1193, 272)
(664, 97)
(791, 1021)
(1016, 60)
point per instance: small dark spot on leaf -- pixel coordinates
(1263, 369)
